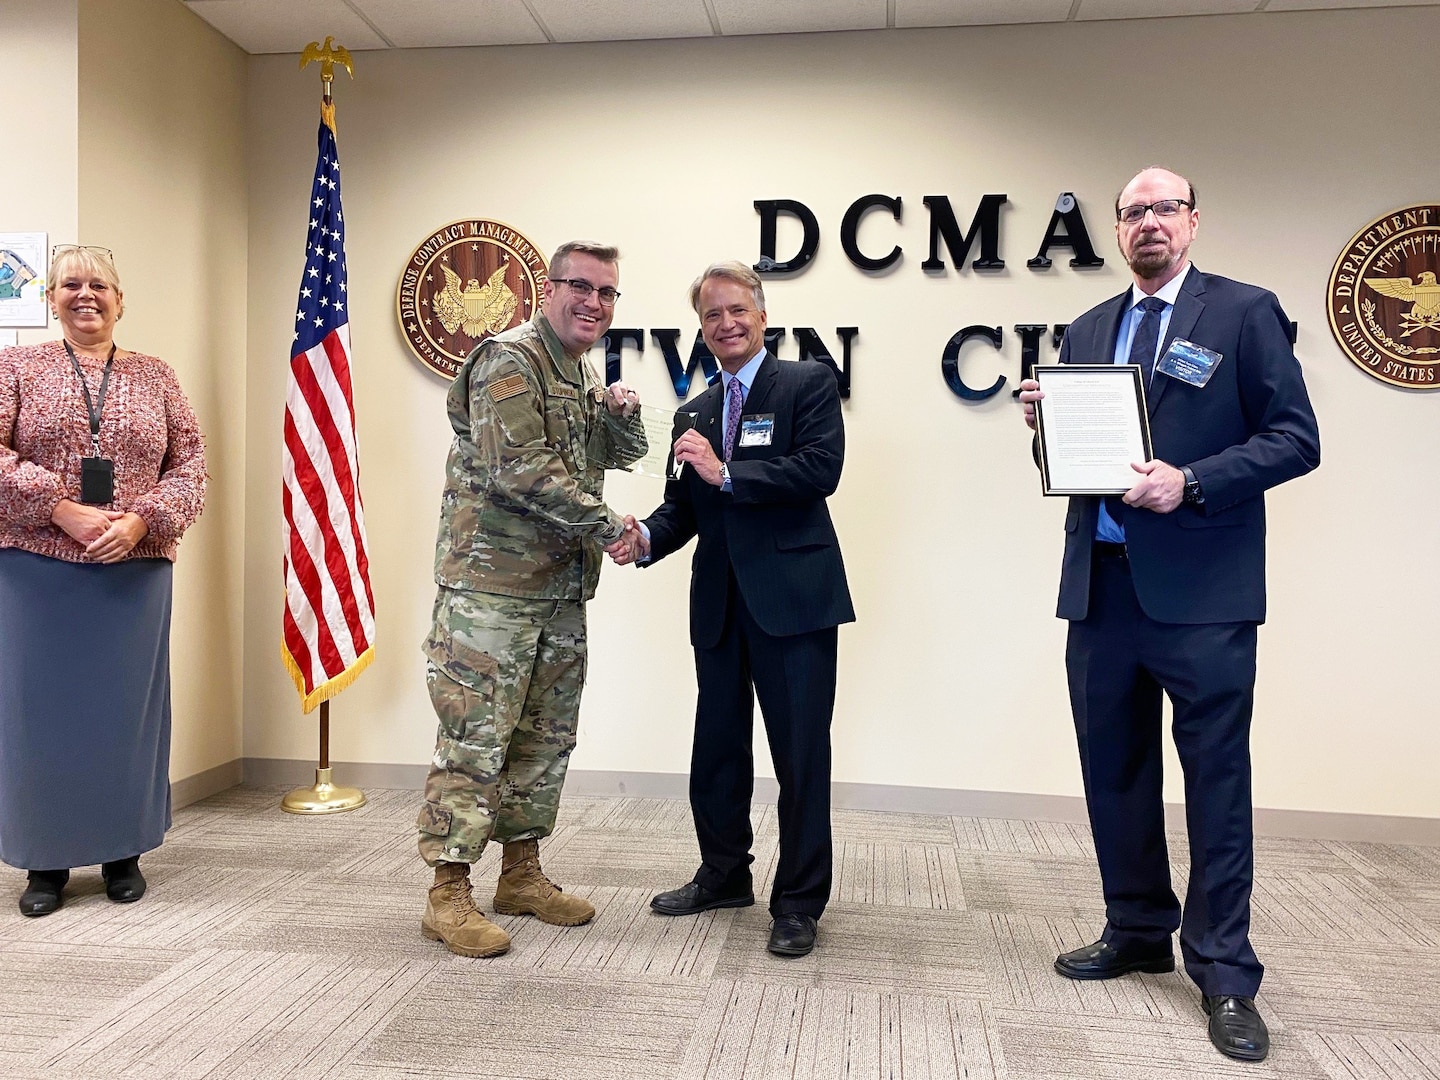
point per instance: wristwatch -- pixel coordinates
(1193, 495)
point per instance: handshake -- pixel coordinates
(632, 545)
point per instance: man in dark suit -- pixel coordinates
(1164, 590)
(767, 594)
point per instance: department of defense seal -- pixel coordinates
(1384, 298)
(467, 281)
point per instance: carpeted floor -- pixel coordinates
(280, 946)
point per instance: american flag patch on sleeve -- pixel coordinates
(508, 387)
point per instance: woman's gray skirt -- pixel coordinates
(84, 709)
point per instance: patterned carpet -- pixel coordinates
(279, 946)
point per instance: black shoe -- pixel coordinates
(124, 884)
(43, 893)
(694, 898)
(793, 935)
(1236, 1027)
(1101, 961)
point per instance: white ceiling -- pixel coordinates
(284, 26)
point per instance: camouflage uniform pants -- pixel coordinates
(505, 675)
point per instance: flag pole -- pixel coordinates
(324, 797)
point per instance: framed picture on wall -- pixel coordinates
(22, 279)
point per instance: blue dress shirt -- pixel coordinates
(1106, 527)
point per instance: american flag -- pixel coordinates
(329, 632)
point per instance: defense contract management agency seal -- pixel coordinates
(1384, 298)
(467, 281)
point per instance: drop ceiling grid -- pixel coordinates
(283, 26)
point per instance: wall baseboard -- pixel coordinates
(204, 784)
(292, 772)
(894, 798)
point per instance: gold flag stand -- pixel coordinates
(325, 797)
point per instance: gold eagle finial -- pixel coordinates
(328, 57)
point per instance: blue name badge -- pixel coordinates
(1188, 362)
(757, 430)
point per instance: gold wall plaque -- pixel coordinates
(465, 282)
(1384, 298)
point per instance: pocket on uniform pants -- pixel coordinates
(435, 819)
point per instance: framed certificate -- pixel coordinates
(1092, 426)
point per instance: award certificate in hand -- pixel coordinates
(1092, 426)
(662, 428)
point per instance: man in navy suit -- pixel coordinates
(1164, 590)
(767, 594)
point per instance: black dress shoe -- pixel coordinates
(124, 884)
(793, 935)
(1102, 961)
(43, 893)
(694, 898)
(1236, 1027)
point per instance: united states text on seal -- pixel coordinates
(1384, 298)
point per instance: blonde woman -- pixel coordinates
(102, 468)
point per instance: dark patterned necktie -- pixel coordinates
(733, 404)
(1147, 337)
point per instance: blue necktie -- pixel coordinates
(1142, 351)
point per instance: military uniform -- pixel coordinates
(522, 529)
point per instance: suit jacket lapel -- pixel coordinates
(713, 417)
(1107, 330)
(1188, 306)
(759, 395)
(708, 409)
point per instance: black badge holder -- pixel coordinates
(97, 474)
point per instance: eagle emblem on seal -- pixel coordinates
(1425, 314)
(475, 310)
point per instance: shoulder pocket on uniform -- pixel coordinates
(515, 403)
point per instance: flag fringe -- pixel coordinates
(328, 689)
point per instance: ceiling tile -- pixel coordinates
(1155, 9)
(978, 12)
(419, 24)
(604, 20)
(284, 26)
(797, 16)
(1311, 5)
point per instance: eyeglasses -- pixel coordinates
(1133, 215)
(583, 289)
(62, 249)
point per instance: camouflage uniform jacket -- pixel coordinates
(523, 513)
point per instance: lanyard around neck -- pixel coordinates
(93, 408)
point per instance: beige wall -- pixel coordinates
(40, 122)
(953, 675)
(162, 183)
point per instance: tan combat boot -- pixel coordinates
(450, 915)
(525, 890)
